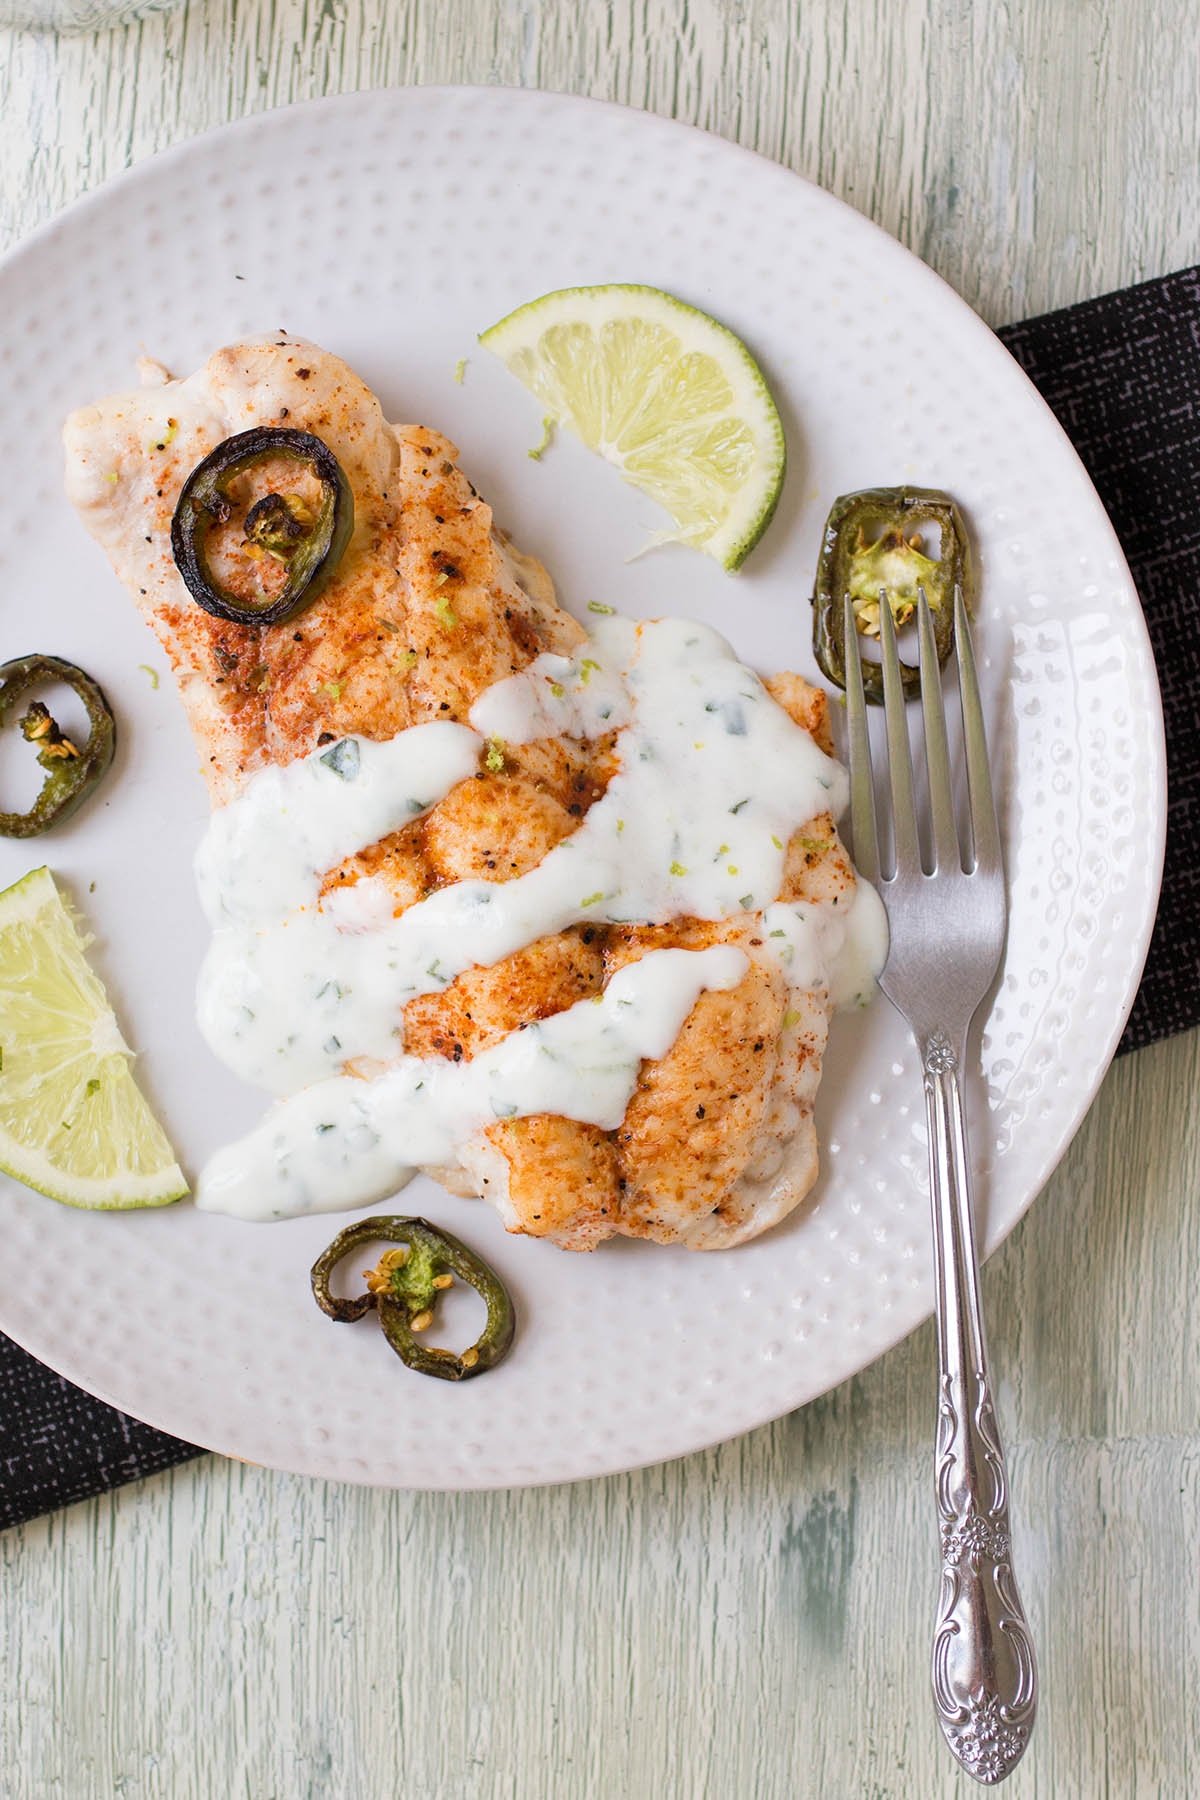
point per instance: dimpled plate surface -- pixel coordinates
(426, 215)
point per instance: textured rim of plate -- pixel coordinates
(1153, 827)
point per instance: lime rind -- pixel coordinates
(73, 1123)
(667, 394)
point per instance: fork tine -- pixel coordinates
(946, 853)
(907, 845)
(862, 787)
(985, 831)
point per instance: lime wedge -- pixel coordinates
(671, 398)
(72, 1122)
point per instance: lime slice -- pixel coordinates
(72, 1122)
(662, 391)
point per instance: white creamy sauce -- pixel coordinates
(343, 1142)
(285, 996)
(839, 948)
(714, 775)
(263, 854)
(713, 779)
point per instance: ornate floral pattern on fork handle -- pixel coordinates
(983, 1667)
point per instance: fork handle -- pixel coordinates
(983, 1667)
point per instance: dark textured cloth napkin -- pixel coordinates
(1123, 375)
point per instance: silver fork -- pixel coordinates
(947, 932)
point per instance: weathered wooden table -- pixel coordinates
(752, 1622)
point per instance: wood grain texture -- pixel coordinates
(751, 1622)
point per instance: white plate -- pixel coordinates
(392, 227)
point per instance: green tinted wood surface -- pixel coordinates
(751, 1622)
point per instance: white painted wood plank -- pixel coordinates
(1033, 154)
(751, 1622)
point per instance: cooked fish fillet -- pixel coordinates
(430, 606)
